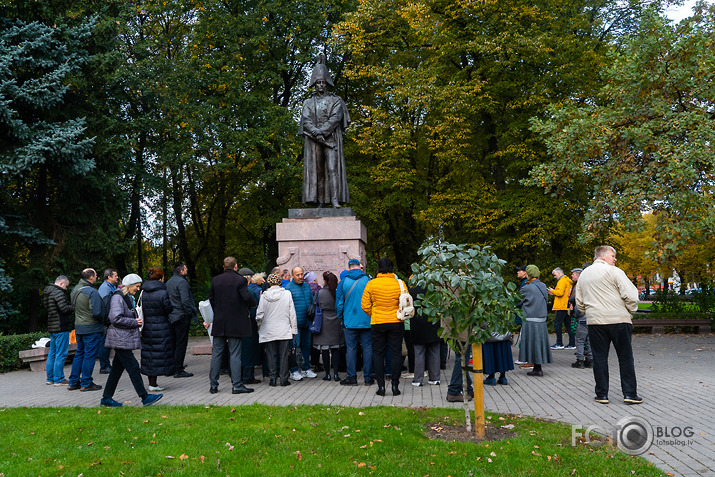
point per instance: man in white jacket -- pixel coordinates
(608, 298)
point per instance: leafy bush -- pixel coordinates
(11, 345)
(705, 298)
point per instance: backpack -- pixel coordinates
(407, 308)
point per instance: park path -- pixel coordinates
(675, 379)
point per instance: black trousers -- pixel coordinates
(387, 336)
(601, 337)
(180, 335)
(277, 355)
(124, 359)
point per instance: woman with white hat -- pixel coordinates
(123, 336)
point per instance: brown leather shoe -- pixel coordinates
(455, 398)
(526, 365)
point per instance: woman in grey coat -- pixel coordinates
(123, 336)
(534, 333)
(331, 336)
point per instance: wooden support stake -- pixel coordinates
(478, 379)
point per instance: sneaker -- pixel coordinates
(309, 373)
(490, 382)
(49, 383)
(434, 382)
(349, 382)
(105, 370)
(416, 384)
(62, 383)
(408, 375)
(91, 387)
(109, 402)
(569, 347)
(519, 362)
(151, 399)
(601, 399)
(296, 376)
(155, 388)
(557, 346)
(632, 399)
(73, 387)
(502, 380)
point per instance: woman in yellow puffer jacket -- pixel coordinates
(381, 300)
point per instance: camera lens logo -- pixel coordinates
(634, 435)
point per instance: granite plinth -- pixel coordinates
(320, 240)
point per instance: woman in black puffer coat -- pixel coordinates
(157, 346)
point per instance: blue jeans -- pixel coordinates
(104, 355)
(84, 358)
(364, 336)
(59, 347)
(456, 382)
(303, 340)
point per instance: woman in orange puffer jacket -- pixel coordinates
(381, 300)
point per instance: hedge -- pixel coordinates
(11, 345)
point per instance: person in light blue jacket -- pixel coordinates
(356, 323)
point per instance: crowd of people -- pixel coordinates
(286, 323)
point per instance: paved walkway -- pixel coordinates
(675, 376)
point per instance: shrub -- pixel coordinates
(11, 345)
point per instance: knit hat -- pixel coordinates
(273, 279)
(533, 271)
(576, 270)
(131, 279)
(310, 276)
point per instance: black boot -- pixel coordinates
(578, 364)
(588, 363)
(395, 389)
(380, 391)
(326, 377)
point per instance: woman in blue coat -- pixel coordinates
(157, 346)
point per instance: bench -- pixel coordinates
(37, 357)
(658, 326)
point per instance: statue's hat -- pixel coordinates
(320, 72)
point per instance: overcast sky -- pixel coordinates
(678, 13)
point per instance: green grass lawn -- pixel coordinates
(301, 440)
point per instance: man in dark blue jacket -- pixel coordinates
(182, 299)
(356, 322)
(302, 298)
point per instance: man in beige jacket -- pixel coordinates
(608, 298)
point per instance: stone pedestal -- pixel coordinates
(320, 239)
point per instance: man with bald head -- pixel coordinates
(89, 328)
(302, 298)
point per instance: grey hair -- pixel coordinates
(61, 279)
(602, 249)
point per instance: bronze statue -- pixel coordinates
(323, 123)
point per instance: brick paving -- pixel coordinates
(675, 379)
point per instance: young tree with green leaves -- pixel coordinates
(465, 289)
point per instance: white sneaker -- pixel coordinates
(296, 376)
(155, 388)
(309, 374)
(516, 361)
(433, 382)
(416, 384)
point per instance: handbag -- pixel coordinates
(317, 324)
(407, 308)
(310, 312)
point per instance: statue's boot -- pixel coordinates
(334, 191)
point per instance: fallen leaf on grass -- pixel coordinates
(298, 455)
(489, 460)
(535, 454)
(183, 457)
(361, 413)
(493, 454)
(363, 447)
(95, 463)
(170, 457)
(202, 459)
(362, 464)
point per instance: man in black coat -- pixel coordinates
(184, 310)
(59, 324)
(231, 302)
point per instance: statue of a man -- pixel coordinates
(323, 123)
